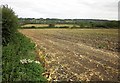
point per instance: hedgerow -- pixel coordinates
(15, 48)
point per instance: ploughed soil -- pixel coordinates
(68, 58)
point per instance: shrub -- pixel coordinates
(64, 27)
(9, 24)
(33, 27)
(15, 48)
(51, 25)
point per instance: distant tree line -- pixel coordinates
(82, 23)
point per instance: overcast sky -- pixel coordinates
(74, 9)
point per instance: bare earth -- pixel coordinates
(68, 58)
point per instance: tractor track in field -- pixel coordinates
(68, 59)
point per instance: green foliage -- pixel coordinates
(9, 24)
(15, 48)
(13, 70)
(33, 27)
(51, 25)
(64, 27)
(23, 45)
(31, 72)
(83, 23)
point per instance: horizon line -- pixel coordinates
(73, 18)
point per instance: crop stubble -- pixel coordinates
(78, 54)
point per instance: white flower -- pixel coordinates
(30, 61)
(23, 61)
(37, 62)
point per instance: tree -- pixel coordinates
(9, 24)
(82, 25)
(51, 25)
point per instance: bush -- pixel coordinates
(64, 27)
(17, 47)
(51, 25)
(33, 27)
(9, 24)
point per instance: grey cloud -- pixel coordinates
(100, 9)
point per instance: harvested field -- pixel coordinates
(36, 25)
(46, 25)
(78, 54)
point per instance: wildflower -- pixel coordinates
(23, 61)
(37, 62)
(30, 61)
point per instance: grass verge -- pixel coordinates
(19, 61)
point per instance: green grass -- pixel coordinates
(12, 67)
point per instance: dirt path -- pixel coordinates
(69, 59)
